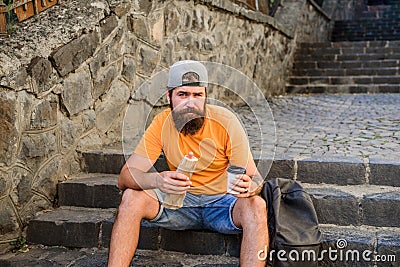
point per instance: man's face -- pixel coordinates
(188, 108)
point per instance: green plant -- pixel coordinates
(19, 245)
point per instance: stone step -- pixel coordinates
(335, 57)
(367, 22)
(90, 190)
(41, 256)
(335, 170)
(364, 44)
(316, 52)
(342, 89)
(335, 79)
(301, 67)
(357, 202)
(60, 225)
(353, 38)
(350, 73)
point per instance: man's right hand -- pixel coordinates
(173, 182)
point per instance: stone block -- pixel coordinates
(106, 230)
(193, 242)
(92, 191)
(41, 70)
(233, 243)
(103, 161)
(44, 114)
(8, 131)
(382, 209)
(111, 104)
(4, 184)
(69, 227)
(384, 172)
(342, 246)
(77, 93)
(104, 78)
(38, 145)
(334, 206)
(70, 56)
(149, 237)
(341, 171)
(282, 168)
(21, 179)
(139, 27)
(129, 69)
(8, 218)
(108, 25)
(46, 179)
(147, 60)
(388, 248)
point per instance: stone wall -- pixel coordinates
(68, 75)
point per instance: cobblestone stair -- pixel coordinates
(357, 213)
(363, 56)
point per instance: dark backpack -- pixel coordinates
(292, 223)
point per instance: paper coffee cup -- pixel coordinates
(234, 178)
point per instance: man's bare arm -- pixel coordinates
(134, 175)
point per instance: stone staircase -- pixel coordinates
(357, 199)
(347, 208)
(363, 56)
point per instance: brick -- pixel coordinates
(334, 206)
(382, 209)
(333, 170)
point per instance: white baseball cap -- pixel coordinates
(180, 68)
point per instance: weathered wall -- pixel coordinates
(68, 74)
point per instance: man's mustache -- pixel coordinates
(189, 110)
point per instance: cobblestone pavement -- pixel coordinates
(315, 126)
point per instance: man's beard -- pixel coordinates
(188, 123)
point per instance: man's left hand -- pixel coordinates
(248, 187)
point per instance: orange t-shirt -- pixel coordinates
(221, 142)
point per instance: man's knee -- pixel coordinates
(131, 200)
(138, 203)
(254, 210)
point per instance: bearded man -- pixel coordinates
(215, 136)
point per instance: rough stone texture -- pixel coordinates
(335, 206)
(71, 56)
(55, 228)
(384, 172)
(376, 206)
(69, 73)
(8, 130)
(343, 171)
(206, 243)
(77, 93)
(90, 191)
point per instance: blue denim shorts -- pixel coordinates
(206, 212)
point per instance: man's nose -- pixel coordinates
(190, 102)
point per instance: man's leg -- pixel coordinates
(250, 214)
(135, 206)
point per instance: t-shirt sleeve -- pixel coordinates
(150, 146)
